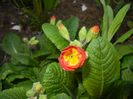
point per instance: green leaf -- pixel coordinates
(5, 70)
(49, 5)
(13, 93)
(53, 56)
(40, 52)
(25, 84)
(29, 12)
(12, 77)
(127, 65)
(123, 50)
(11, 44)
(107, 20)
(72, 25)
(25, 59)
(56, 80)
(124, 36)
(81, 90)
(120, 89)
(0, 85)
(46, 44)
(53, 34)
(101, 68)
(130, 24)
(61, 96)
(117, 21)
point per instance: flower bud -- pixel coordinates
(52, 20)
(95, 29)
(82, 33)
(76, 43)
(30, 93)
(33, 41)
(42, 97)
(37, 86)
(25, 39)
(92, 33)
(58, 23)
(64, 32)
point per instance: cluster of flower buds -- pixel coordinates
(37, 92)
(87, 37)
(32, 41)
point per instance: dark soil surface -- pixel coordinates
(10, 15)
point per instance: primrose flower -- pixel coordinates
(71, 58)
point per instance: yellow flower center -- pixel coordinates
(38, 87)
(72, 57)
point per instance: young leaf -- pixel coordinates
(53, 34)
(117, 21)
(56, 80)
(124, 37)
(82, 33)
(107, 20)
(13, 93)
(11, 44)
(72, 25)
(61, 96)
(102, 68)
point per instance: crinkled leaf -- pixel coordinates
(11, 44)
(101, 68)
(5, 70)
(61, 96)
(12, 77)
(13, 93)
(53, 34)
(72, 26)
(56, 80)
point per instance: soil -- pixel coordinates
(10, 16)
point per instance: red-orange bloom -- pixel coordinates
(71, 58)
